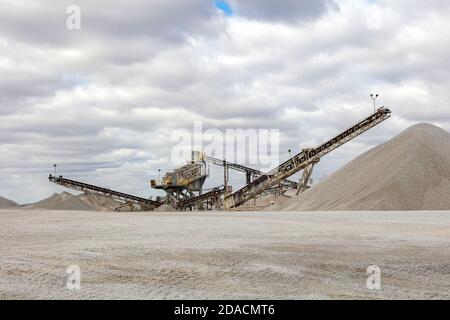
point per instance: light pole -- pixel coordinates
(54, 166)
(159, 175)
(374, 98)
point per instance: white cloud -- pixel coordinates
(102, 102)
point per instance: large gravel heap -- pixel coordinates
(6, 203)
(68, 201)
(409, 172)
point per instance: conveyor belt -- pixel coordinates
(249, 171)
(303, 159)
(81, 186)
(232, 165)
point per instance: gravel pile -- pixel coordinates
(409, 172)
(60, 201)
(6, 203)
(68, 201)
(98, 202)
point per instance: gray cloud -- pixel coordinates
(44, 24)
(283, 10)
(103, 101)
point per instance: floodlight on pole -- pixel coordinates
(54, 166)
(374, 98)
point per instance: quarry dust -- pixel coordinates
(216, 255)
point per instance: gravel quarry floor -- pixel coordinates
(216, 255)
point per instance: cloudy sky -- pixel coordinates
(103, 101)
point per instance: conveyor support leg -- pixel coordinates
(306, 176)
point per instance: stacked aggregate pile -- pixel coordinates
(6, 203)
(409, 172)
(61, 201)
(84, 201)
(98, 202)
